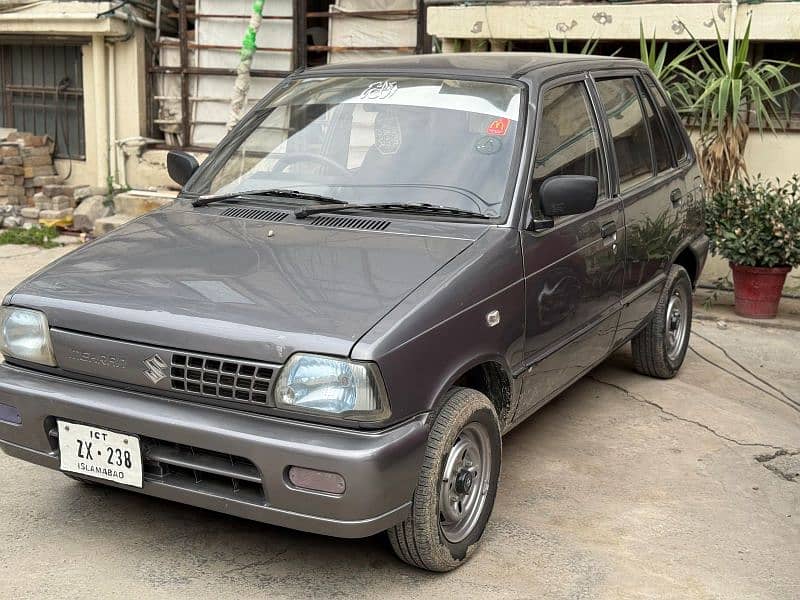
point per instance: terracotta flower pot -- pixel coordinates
(757, 290)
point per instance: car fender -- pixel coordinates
(443, 328)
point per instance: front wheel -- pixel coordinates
(659, 349)
(456, 487)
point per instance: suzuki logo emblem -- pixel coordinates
(155, 368)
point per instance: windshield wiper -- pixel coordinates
(258, 194)
(419, 208)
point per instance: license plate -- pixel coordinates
(100, 453)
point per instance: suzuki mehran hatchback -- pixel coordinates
(383, 268)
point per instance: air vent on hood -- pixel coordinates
(255, 214)
(350, 223)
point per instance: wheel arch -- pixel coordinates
(489, 375)
(687, 259)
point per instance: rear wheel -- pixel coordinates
(659, 349)
(456, 487)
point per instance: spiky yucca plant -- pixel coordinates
(587, 48)
(680, 82)
(733, 90)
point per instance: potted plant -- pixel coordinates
(755, 225)
(752, 224)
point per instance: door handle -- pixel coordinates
(675, 196)
(607, 229)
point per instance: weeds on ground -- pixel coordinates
(44, 237)
(721, 284)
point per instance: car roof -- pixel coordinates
(487, 64)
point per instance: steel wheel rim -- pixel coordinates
(676, 324)
(461, 503)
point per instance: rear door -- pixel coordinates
(650, 187)
(691, 204)
(573, 271)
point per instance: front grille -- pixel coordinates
(196, 469)
(221, 378)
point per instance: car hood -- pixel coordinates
(199, 281)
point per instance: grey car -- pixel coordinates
(382, 269)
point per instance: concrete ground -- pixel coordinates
(624, 487)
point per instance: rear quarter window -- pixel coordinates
(674, 127)
(660, 144)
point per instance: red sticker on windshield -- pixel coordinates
(498, 126)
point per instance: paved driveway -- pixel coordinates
(624, 487)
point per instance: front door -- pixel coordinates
(573, 271)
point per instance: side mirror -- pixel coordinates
(181, 166)
(563, 195)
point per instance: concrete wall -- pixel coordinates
(773, 154)
(124, 73)
(612, 21)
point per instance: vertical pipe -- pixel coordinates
(158, 20)
(101, 107)
(422, 34)
(732, 32)
(300, 34)
(112, 112)
(183, 37)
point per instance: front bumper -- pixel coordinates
(380, 468)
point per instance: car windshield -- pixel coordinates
(365, 140)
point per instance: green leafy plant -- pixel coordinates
(587, 48)
(680, 82)
(756, 223)
(43, 237)
(720, 284)
(733, 89)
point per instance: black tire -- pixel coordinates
(420, 540)
(655, 351)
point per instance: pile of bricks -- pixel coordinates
(54, 203)
(26, 170)
(12, 180)
(36, 152)
(31, 193)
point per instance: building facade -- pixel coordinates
(76, 72)
(503, 26)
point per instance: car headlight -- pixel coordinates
(333, 386)
(25, 334)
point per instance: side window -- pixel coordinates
(568, 139)
(623, 110)
(660, 143)
(673, 125)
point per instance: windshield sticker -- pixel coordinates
(388, 134)
(379, 90)
(488, 144)
(498, 126)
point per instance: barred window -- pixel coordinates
(41, 91)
